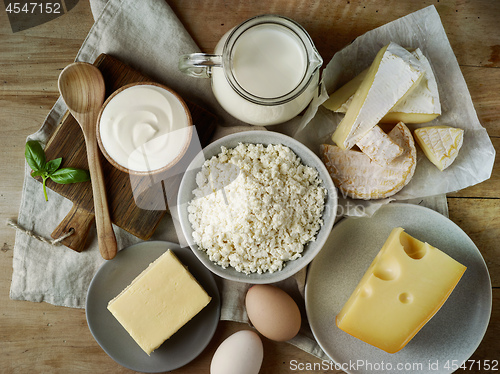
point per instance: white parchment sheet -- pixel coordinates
(424, 30)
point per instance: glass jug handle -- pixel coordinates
(199, 65)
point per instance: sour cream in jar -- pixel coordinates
(144, 128)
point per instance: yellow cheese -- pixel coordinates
(157, 303)
(406, 284)
(394, 73)
(340, 99)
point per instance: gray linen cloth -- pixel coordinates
(147, 35)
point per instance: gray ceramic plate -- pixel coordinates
(453, 333)
(308, 157)
(113, 276)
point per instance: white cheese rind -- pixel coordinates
(440, 144)
(377, 145)
(340, 100)
(420, 106)
(390, 78)
(358, 177)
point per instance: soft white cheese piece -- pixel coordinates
(419, 106)
(340, 99)
(358, 177)
(157, 303)
(440, 144)
(422, 104)
(379, 146)
(392, 76)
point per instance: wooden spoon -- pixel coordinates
(82, 88)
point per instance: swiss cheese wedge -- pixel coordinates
(357, 176)
(440, 144)
(404, 287)
(392, 75)
(419, 106)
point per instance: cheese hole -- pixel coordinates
(365, 291)
(387, 269)
(406, 298)
(412, 247)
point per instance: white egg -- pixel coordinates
(241, 353)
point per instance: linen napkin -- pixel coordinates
(147, 35)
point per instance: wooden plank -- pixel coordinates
(484, 84)
(333, 24)
(480, 219)
(488, 188)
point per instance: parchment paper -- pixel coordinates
(424, 30)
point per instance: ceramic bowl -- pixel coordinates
(309, 158)
(143, 105)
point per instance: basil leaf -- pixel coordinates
(35, 156)
(53, 165)
(70, 175)
(38, 173)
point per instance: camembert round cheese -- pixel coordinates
(358, 177)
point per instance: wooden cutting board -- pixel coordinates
(126, 210)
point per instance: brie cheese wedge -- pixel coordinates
(421, 105)
(340, 99)
(379, 146)
(392, 75)
(358, 177)
(440, 144)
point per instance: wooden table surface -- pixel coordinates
(39, 337)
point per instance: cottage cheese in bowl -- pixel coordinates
(259, 207)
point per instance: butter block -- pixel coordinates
(404, 287)
(158, 302)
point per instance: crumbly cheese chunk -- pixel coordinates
(256, 207)
(379, 146)
(356, 176)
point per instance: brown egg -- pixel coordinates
(273, 312)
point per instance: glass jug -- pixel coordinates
(264, 71)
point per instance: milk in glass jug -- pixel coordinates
(264, 71)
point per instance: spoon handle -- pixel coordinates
(105, 234)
